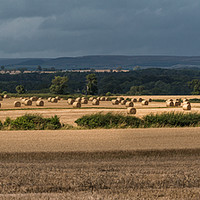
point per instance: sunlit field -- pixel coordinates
(149, 163)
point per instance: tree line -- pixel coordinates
(139, 82)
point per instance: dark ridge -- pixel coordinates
(105, 61)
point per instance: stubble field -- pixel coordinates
(68, 115)
(151, 163)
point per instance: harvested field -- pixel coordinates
(99, 140)
(68, 115)
(125, 164)
(161, 163)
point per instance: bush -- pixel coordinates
(7, 122)
(1, 125)
(34, 122)
(172, 119)
(108, 120)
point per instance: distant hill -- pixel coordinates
(101, 61)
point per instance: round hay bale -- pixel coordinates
(129, 104)
(95, 102)
(119, 99)
(23, 101)
(115, 102)
(185, 100)
(170, 100)
(17, 104)
(58, 98)
(145, 103)
(84, 98)
(49, 99)
(70, 101)
(140, 100)
(84, 101)
(131, 110)
(169, 103)
(186, 107)
(78, 100)
(54, 100)
(91, 98)
(176, 103)
(133, 100)
(150, 100)
(106, 99)
(123, 102)
(5, 96)
(76, 105)
(98, 98)
(28, 102)
(186, 103)
(33, 98)
(41, 98)
(39, 103)
(102, 98)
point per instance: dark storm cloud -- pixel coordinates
(51, 28)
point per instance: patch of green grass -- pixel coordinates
(194, 100)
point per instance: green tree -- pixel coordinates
(136, 90)
(59, 85)
(195, 85)
(91, 84)
(39, 68)
(22, 69)
(2, 68)
(20, 89)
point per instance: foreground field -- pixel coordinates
(101, 175)
(160, 163)
(99, 140)
(100, 164)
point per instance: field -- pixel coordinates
(155, 163)
(68, 115)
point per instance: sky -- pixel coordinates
(57, 28)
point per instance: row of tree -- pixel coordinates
(139, 82)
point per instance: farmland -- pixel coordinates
(153, 163)
(68, 115)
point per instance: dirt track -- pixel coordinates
(99, 140)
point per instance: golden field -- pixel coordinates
(155, 163)
(68, 115)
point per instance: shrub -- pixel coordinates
(35, 122)
(7, 122)
(1, 125)
(108, 120)
(172, 119)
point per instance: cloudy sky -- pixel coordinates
(54, 28)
